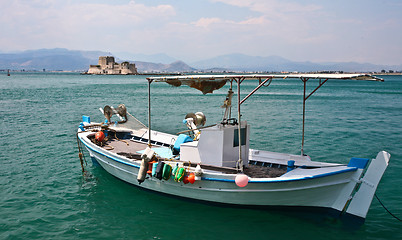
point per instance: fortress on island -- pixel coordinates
(107, 65)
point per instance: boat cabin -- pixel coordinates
(218, 146)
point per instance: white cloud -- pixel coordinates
(273, 6)
(66, 23)
(205, 22)
(289, 28)
(274, 22)
(279, 18)
(260, 21)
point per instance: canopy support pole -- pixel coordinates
(255, 89)
(304, 113)
(240, 161)
(149, 112)
(230, 109)
(304, 105)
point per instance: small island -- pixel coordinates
(107, 65)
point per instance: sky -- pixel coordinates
(365, 31)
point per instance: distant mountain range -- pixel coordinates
(153, 58)
(50, 59)
(177, 66)
(241, 62)
(60, 59)
(74, 60)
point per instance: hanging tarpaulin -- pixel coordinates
(204, 85)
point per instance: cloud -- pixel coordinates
(194, 29)
(260, 21)
(205, 22)
(274, 17)
(272, 21)
(276, 7)
(66, 23)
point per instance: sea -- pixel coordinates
(45, 195)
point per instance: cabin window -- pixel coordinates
(236, 137)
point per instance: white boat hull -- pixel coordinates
(331, 189)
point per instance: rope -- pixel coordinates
(196, 136)
(387, 209)
(81, 155)
(269, 83)
(121, 140)
(108, 146)
(189, 165)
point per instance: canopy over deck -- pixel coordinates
(354, 76)
(209, 83)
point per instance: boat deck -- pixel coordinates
(256, 171)
(129, 148)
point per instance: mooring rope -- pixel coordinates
(81, 155)
(397, 218)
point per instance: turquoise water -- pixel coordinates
(45, 196)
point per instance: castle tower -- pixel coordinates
(107, 65)
(105, 61)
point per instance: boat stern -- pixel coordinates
(360, 202)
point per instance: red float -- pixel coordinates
(191, 178)
(99, 136)
(185, 179)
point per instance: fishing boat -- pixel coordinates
(215, 163)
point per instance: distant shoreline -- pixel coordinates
(182, 73)
(158, 74)
(387, 74)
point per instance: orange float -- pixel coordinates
(191, 178)
(99, 136)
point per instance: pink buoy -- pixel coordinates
(241, 180)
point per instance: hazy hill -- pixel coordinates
(71, 60)
(177, 66)
(241, 62)
(152, 58)
(74, 60)
(50, 59)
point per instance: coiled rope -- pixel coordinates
(397, 218)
